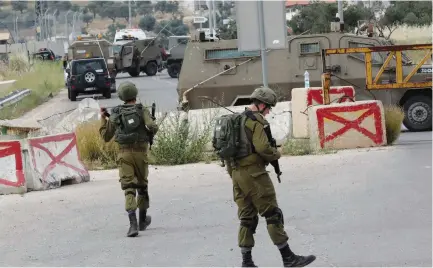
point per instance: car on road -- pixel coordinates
(89, 76)
(45, 54)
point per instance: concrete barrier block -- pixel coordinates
(347, 125)
(55, 159)
(303, 98)
(12, 179)
(202, 119)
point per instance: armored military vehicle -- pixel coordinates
(219, 71)
(134, 56)
(176, 45)
(91, 47)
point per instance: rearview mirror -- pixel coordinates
(67, 70)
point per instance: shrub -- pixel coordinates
(94, 151)
(394, 116)
(180, 142)
(44, 79)
(296, 147)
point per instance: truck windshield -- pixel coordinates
(116, 49)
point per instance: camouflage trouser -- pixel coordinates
(133, 172)
(254, 193)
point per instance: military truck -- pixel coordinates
(88, 47)
(134, 56)
(177, 45)
(229, 76)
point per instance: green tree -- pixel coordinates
(111, 30)
(147, 23)
(228, 31)
(19, 5)
(93, 7)
(110, 10)
(75, 7)
(144, 7)
(123, 12)
(315, 17)
(87, 19)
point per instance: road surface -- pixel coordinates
(160, 88)
(367, 207)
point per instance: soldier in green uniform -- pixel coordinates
(131, 124)
(253, 190)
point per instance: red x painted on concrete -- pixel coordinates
(317, 94)
(328, 113)
(13, 148)
(55, 160)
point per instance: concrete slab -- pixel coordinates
(304, 98)
(347, 125)
(334, 207)
(12, 180)
(55, 159)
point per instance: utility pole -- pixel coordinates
(262, 43)
(340, 14)
(129, 10)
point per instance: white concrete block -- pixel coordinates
(358, 124)
(304, 98)
(199, 120)
(12, 179)
(55, 159)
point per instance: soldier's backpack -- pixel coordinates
(229, 137)
(128, 120)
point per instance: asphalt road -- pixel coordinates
(160, 89)
(367, 207)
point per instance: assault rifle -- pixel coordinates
(153, 118)
(273, 143)
(268, 132)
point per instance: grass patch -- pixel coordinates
(44, 79)
(394, 116)
(298, 147)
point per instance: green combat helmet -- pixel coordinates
(127, 91)
(265, 95)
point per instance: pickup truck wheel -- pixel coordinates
(418, 113)
(174, 70)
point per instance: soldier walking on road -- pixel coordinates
(131, 124)
(253, 190)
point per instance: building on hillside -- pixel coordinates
(6, 38)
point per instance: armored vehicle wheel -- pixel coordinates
(133, 73)
(418, 113)
(174, 70)
(151, 68)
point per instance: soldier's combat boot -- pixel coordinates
(247, 259)
(144, 220)
(133, 228)
(292, 260)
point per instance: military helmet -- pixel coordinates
(265, 95)
(127, 91)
